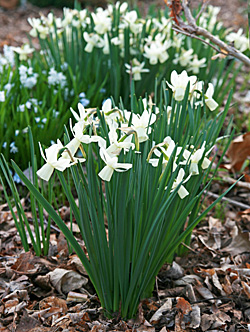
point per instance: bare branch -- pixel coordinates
(192, 29)
(175, 28)
(203, 7)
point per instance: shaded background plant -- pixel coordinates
(64, 73)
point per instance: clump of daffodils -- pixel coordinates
(127, 131)
(151, 40)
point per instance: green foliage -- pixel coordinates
(40, 237)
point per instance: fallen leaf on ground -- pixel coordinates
(65, 281)
(158, 314)
(183, 305)
(238, 151)
(27, 323)
(239, 244)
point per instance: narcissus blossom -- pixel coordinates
(182, 192)
(116, 146)
(195, 157)
(79, 138)
(38, 28)
(141, 123)
(240, 41)
(23, 51)
(196, 64)
(179, 84)
(52, 163)
(136, 69)
(156, 51)
(209, 101)
(93, 40)
(111, 166)
(184, 58)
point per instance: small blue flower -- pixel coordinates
(37, 119)
(16, 178)
(102, 90)
(4, 145)
(13, 148)
(21, 108)
(82, 95)
(28, 104)
(84, 102)
(16, 132)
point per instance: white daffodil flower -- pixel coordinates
(103, 22)
(194, 158)
(109, 111)
(240, 41)
(141, 123)
(93, 40)
(116, 146)
(184, 58)
(38, 28)
(130, 20)
(179, 84)
(196, 64)
(157, 51)
(52, 163)
(23, 51)
(67, 155)
(79, 138)
(83, 116)
(166, 148)
(136, 69)
(209, 101)
(182, 192)
(111, 166)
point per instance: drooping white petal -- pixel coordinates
(211, 104)
(182, 192)
(206, 163)
(45, 172)
(106, 173)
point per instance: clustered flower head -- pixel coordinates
(126, 132)
(27, 77)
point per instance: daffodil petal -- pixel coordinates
(45, 172)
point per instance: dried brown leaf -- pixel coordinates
(246, 288)
(239, 150)
(195, 317)
(204, 292)
(239, 244)
(183, 305)
(227, 285)
(65, 281)
(158, 314)
(176, 8)
(27, 323)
